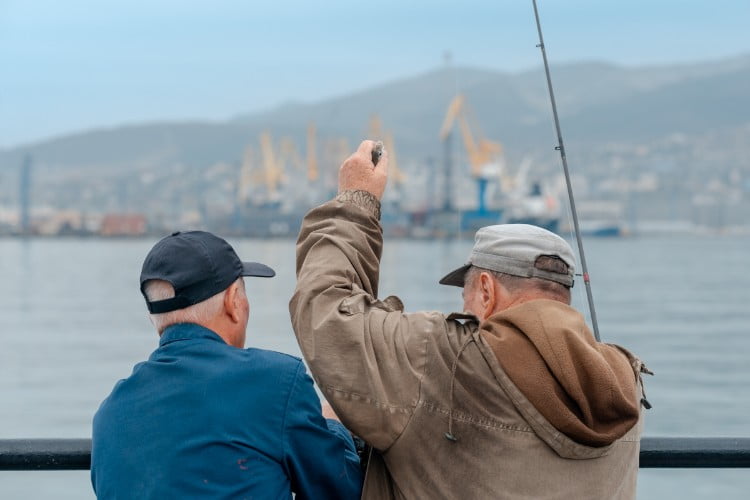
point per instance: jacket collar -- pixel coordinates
(187, 331)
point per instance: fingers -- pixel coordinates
(382, 165)
(358, 172)
(365, 151)
(365, 147)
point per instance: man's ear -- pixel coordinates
(488, 293)
(232, 303)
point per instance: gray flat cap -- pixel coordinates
(513, 249)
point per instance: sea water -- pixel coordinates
(72, 322)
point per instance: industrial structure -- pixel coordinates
(24, 197)
(278, 182)
(486, 165)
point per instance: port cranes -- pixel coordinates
(274, 160)
(278, 159)
(483, 154)
(273, 174)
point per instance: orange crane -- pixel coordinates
(272, 172)
(288, 153)
(312, 158)
(376, 133)
(272, 175)
(246, 177)
(484, 155)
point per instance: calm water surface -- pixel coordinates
(72, 322)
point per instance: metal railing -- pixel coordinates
(656, 452)
(45, 454)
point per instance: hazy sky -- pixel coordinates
(76, 64)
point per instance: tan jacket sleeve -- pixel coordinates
(366, 355)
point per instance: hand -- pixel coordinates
(359, 173)
(328, 412)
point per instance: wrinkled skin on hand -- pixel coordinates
(359, 173)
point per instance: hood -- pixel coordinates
(586, 389)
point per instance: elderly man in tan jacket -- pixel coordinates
(513, 398)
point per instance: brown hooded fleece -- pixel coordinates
(585, 389)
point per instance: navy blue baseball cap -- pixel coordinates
(198, 265)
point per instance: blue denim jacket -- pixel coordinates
(203, 419)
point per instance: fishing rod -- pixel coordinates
(561, 148)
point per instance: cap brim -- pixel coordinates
(455, 278)
(257, 269)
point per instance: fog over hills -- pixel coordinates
(598, 103)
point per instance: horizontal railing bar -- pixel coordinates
(45, 454)
(694, 452)
(656, 452)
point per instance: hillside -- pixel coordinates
(598, 103)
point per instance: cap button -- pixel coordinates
(175, 233)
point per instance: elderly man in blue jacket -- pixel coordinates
(205, 418)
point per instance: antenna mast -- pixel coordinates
(561, 148)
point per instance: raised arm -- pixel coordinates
(366, 355)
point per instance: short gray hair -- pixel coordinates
(515, 284)
(198, 313)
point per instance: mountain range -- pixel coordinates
(599, 103)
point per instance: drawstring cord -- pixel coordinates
(641, 371)
(449, 435)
